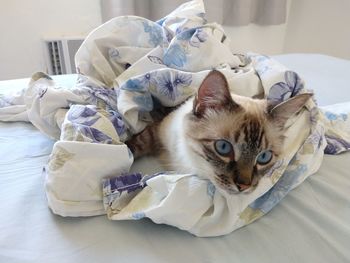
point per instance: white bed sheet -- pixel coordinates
(310, 225)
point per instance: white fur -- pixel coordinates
(181, 157)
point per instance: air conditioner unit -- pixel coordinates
(59, 54)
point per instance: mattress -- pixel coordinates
(310, 225)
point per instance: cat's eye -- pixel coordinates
(223, 147)
(264, 157)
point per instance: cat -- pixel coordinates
(229, 139)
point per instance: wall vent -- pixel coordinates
(59, 55)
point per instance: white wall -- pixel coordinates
(319, 26)
(24, 23)
(267, 40)
(316, 26)
(313, 26)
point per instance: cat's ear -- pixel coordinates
(214, 94)
(283, 111)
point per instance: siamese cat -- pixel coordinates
(229, 139)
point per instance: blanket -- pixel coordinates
(131, 66)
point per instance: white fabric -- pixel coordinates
(313, 220)
(83, 193)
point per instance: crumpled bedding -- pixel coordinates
(129, 67)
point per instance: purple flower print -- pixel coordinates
(83, 115)
(282, 91)
(92, 133)
(104, 94)
(42, 92)
(127, 182)
(156, 60)
(170, 85)
(117, 122)
(336, 145)
(199, 37)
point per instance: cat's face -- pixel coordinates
(241, 138)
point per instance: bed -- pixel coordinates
(310, 225)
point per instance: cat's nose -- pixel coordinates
(242, 187)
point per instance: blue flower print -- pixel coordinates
(144, 101)
(279, 92)
(336, 145)
(133, 85)
(185, 34)
(155, 33)
(117, 122)
(282, 91)
(88, 111)
(179, 30)
(123, 185)
(294, 82)
(287, 182)
(171, 85)
(262, 64)
(194, 36)
(175, 55)
(106, 95)
(333, 117)
(94, 134)
(148, 79)
(202, 15)
(182, 79)
(83, 115)
(166, 86)
(156, 60)
(126, 182)
(199, 37)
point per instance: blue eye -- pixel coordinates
(264, 157)
(223, 147)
